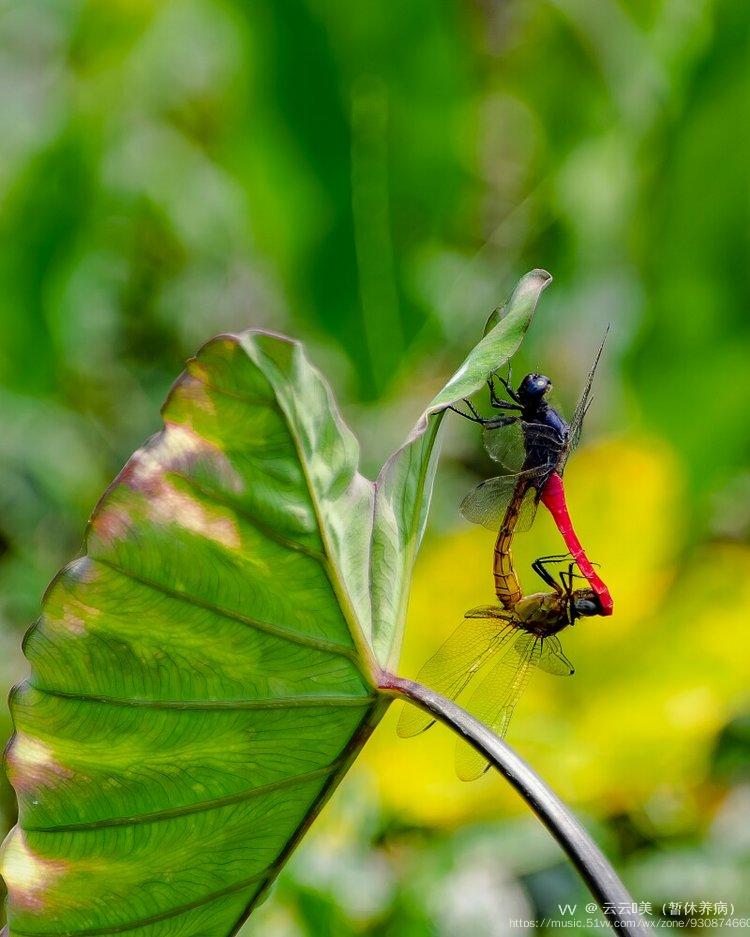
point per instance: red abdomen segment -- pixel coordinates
(553, 498)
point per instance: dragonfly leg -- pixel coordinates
(507, 383)
(544, 574)
(499, 421)
(554, 558)
(473, 416)
(540, 568)
(567, 578)
(493, 393)
(488, 423)
(473, 409)
(497, 402)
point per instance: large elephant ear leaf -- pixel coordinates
(204, 674)
(201, 677)
(404, 486)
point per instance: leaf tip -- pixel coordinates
(537, 280)
(541, 274)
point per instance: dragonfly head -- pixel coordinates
(533, 388)
(585, 603)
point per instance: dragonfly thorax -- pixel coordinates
(543, 612)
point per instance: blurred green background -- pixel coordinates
(373, 178)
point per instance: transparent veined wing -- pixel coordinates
(538, 434)
(478, 638)
(584, 402)
(490, 611)
(506, 446)
(487, 503)
(552, 658)
(494, 700)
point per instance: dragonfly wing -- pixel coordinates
(454, 664)
(584, 402)
(490, 611)
(487, 502)
(506, 446)
(552, 658)
(539, 434)
(527, 511)
(495, 698)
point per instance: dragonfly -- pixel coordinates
(505, 646)
(532, 442)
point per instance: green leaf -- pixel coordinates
(202, 677)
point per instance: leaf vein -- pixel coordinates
(160, 916)
(187, 810)
(281, 702)
(278, 631)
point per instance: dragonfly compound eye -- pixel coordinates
(585, 606)
(534, 386)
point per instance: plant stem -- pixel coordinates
(601, 879)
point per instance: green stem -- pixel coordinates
(599, 876)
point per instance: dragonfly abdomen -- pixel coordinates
(507, 586)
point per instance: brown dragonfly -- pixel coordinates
(504, 646)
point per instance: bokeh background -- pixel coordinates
(373, 178)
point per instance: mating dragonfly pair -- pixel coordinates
(505, 642)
